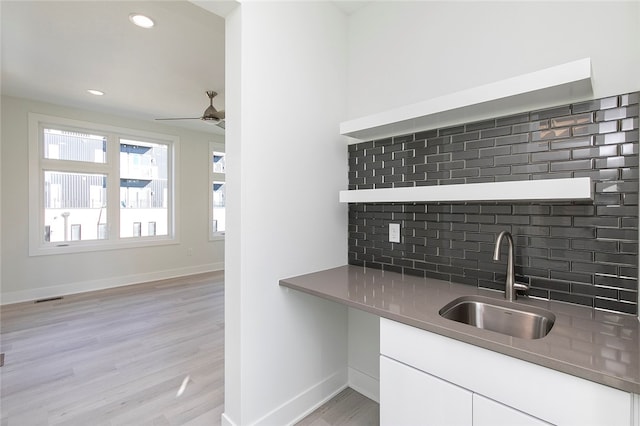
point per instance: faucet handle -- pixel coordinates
(520, 287)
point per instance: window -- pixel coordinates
(95, 187)
(217, 191)
(143, 187)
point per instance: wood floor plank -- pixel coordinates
(347, 408)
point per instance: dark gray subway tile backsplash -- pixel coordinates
(578, 252)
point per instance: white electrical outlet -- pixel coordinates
(394, 232)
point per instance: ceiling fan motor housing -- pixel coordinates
(211, 113)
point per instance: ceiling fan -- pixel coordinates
(209, 114)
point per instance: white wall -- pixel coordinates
(1, 214)
(364, 348)
(406, 52)
(286, 93)
(28, 278)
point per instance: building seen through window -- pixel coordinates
(217, 212)
(83, 175)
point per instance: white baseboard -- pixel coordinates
(316, 396)
(226, 421)
(105, 283)
(306, 402)
(364, 384)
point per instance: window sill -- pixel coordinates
(72, 247)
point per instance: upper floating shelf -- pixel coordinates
(572, 189)
(562, 84)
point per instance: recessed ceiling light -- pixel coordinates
(141, 20)
(96, 92)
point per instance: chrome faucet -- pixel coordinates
(510, 285)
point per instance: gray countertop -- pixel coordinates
(599, 346)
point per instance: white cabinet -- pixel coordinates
(411, 398)
(503, 389)
(487, 412)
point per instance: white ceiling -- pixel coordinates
(54, 51)
(349, 7)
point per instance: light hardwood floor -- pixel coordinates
(347, 408)
(121, 357)
(117, 357)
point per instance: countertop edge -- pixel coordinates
(524, 355)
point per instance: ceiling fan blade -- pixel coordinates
(210, 114)
(184, 118)
(222, 124)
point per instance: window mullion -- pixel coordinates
(73, 166)
(113, 186)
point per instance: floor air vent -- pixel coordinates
(50, 299)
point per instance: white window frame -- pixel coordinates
(214, 177)
(38, 164)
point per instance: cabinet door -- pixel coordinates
(487, 412)
(559, 398)
(410, 397)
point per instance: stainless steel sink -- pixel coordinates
(512, 319)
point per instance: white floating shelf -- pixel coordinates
(562, 84)
(572, 189)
